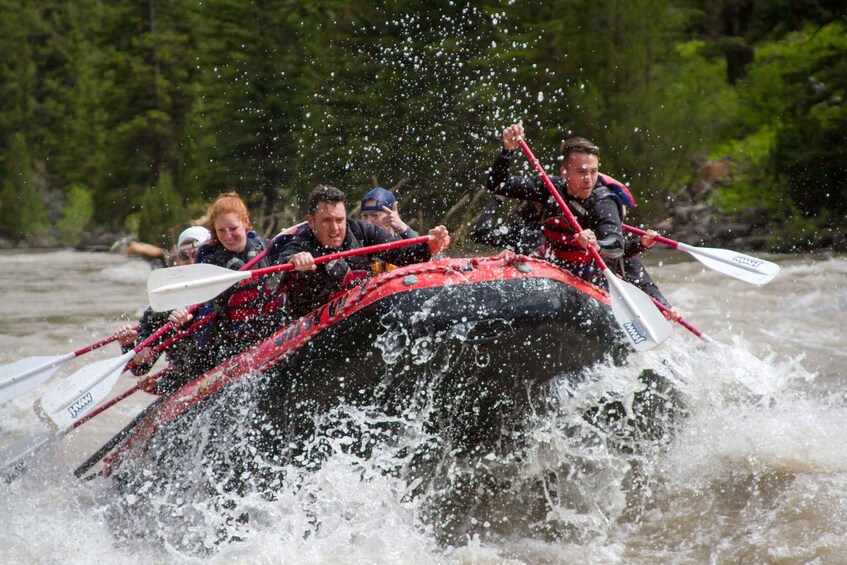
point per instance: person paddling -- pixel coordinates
(328, 230)
(181, 355)
(243, 314)
(597, 201)
(590, 202)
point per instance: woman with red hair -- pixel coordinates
(244, 314)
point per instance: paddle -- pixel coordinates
(89, 385)
(66, 406)
(192, 284)
(641, 321)
(682, 322)
(82, 390)
(26, 374)
(744, 267)
(17, 452)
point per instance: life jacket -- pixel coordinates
(559, 235)
(619, 192)
(250, 300)
(245, 301)
(561, 243)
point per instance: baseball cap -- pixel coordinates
(382, 196)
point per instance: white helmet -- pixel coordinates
(193, 236)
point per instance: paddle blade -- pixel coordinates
(743, 267)
(642, 322)
(78, 393)
(189, 284)
(26, 374)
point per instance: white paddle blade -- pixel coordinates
(744, 267)
(81, 391)
(642, 322)
(176, 287)
(24, 375)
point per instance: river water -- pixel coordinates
(755, 473)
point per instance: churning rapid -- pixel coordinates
(737, 455)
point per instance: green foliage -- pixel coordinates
(22, 210)
(76, 214)
(797, 234)
(810, 156)
(750, 185)
(271, 98)
(161, 210)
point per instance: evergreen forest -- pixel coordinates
(129, 116)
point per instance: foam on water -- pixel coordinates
(753, 471)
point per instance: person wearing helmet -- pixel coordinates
(180, 354)
(187, 243)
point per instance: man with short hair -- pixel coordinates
(592, 204)
(328, 230)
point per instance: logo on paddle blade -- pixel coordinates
(748, 261)
(634, 331)
(77, 407)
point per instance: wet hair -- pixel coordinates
(576, 145)
(323, 193)
(227, 203)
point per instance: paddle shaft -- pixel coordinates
(681, 321)
(343, 254)
(641, 322)
(560, 201)
(661, 239)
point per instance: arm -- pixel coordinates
(607, 228)
(399, 227)
(500, 182)
(519, 236)
(636, 246)
(374, 235)
(484, 231)
(149, 323)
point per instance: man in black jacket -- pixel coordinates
(328, 230)
(592, 203)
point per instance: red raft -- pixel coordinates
(469, 341)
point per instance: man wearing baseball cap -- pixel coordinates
(379, 207)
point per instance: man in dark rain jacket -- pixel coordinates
(328, 230)
(592, 204)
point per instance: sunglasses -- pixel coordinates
(187, 252)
